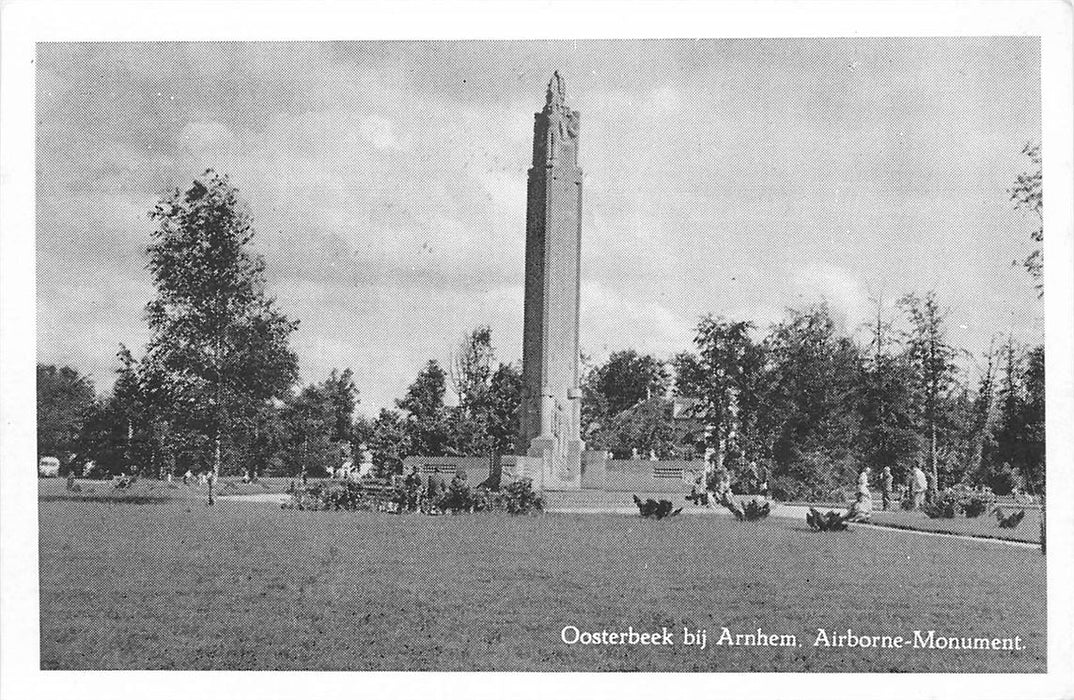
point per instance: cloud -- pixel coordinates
(388, 183)
(614, 318)
(380, 132)
(843, 292)
(202, 136)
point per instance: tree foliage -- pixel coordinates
(318, 425)
(1028, 195)
(932, 370)
(626, 379)
(218, 349)
(425, 422)
(65, 400)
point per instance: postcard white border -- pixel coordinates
(24, 23)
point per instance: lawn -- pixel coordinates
(160, 580)
(1028, 529)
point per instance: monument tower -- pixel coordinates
(550, 436)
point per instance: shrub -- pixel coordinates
(975, 502)
(517, 498)
(459, 497)
(783, 488)
(756, 509)
(344, 495)
(832, 521)
(814, 476)
(944, 504)
(484, 500)
(751, 510)
(520, 498)
(657, 510)
(1001, 479)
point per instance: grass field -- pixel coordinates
(983, 526)
(159, 580)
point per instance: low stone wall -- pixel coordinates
(664, 476)
(598, 472)
(477, 469)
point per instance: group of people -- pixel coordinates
(429, 496)
(754, 481)
(918, 485)
(203, 477)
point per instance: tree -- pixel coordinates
(813, 413)
(1033, 462)
(65, 399)
(218, 349)
(385, 437)
(485, 423)
(471, 366)
(505, 399)
(121, 434)
(425, 427)
(1019, 435)
(932, 368)
(471, 377)
(647, 427)
(1028, 195)
(887, 429)
(718, 376)
(342, 399)
(103, 438)
(318, 422)
(981, 429)
(625, 380)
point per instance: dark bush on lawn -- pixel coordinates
(459, 498)
(484, 500)
(944, 505)
(520, 498)
(342, 495)
(832, 521)
(757, 509)
(752, 510)
(516, 498)
(974, 502)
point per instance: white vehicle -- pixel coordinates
(48, 466)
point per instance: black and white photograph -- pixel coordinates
(699, 352)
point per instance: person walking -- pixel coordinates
(862, 508)
(887, 485)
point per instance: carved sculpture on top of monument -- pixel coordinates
(559, 141)
(550, 439)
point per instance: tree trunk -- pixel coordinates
(216, 465)
(932, 448)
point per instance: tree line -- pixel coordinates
(809, 406)
(217, 386)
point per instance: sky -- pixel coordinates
(387, 182)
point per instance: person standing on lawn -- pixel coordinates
(919, 483)
(412, 490)
(887, 485)
(862, 508)
(435, 488)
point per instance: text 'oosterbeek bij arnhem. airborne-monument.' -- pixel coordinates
(549, 448)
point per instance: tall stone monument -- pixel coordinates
(550, 437)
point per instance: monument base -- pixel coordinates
(560, 465)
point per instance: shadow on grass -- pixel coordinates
(126, 498)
